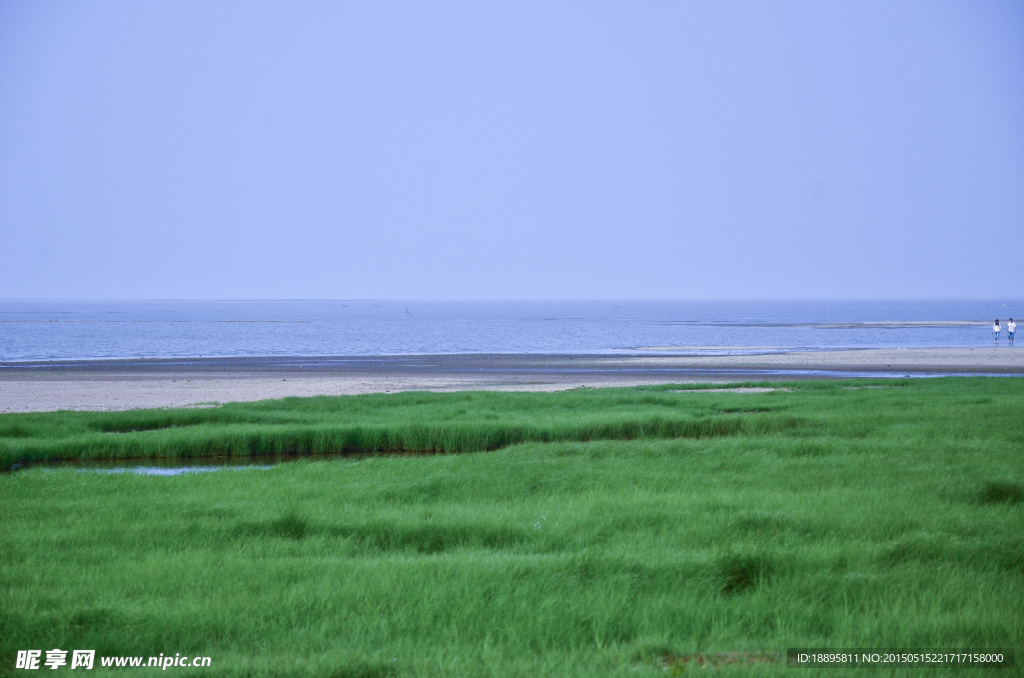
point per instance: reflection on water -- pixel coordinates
(164, 471)
(177, 467)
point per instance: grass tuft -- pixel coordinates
(1001, 492)
(288, 526)
(739, 573)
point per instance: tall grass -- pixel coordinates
(420, 422)
(928, 410)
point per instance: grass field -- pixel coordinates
(613, 532)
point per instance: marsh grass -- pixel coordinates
(875, 518)
(406, 422)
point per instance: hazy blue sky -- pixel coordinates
(516, 150)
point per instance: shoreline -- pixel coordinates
(182, 382)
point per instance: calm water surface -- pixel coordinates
(147, 329)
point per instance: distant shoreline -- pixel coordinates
(181, 382)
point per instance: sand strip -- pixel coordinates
(129, 384)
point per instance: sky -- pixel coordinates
(511, 150)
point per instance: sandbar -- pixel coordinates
(204, 382)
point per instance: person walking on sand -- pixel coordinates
(995, 330)
(1011, 327)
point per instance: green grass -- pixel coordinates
(626, 531)
(418, 422)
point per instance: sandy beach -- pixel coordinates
(130, 384)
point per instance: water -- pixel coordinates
(177, 467)
(167, 329)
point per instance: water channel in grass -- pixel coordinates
(174, 467)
